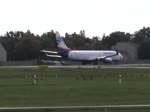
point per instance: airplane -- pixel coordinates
(85, 56)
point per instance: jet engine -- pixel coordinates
(107, 60)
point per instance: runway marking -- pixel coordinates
(74, 107)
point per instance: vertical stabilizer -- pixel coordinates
(60, 42)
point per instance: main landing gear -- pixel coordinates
(86, 62)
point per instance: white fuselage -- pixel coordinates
(92, 55)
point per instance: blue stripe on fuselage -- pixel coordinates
(64, 53)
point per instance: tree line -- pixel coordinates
(26, 45)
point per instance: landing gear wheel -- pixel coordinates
(95, 63)
(83, 63)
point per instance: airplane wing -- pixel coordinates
(105, 57)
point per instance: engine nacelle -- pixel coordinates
(107, 60)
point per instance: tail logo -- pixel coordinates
(59, 40)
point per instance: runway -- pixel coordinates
(76, 107)
(138, 66)
(115, 66)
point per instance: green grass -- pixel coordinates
(74, 87)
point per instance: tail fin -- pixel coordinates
(60, 42)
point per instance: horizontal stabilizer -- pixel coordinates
(52, 52)
(54, 56)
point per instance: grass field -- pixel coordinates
(73, 87)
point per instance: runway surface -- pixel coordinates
(137, 66)
(75, 107)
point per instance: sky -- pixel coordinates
(96, 17)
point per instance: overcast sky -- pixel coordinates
(94, 16)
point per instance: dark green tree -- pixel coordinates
(48, 41)
(97, 44)
(142, 35)
(28, 47)
(144, 50)
(75, 41)
(115, 37)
